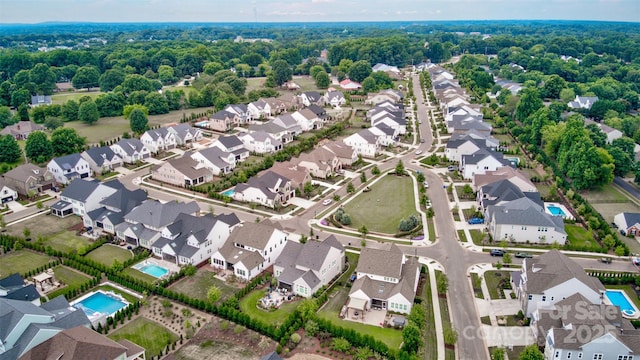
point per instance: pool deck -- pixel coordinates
(635, 316)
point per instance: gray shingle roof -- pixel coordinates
(68, 161)
(255, 235)
(236, 255)
(526, 212)
(554, 268)
(383, 262)
(80, 189)
(23, 172)
(482, 154)
(310, 255)
(230, 141)
(157, 215)
(131, 146)
(100, 154)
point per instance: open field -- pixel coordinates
(607, 193)
(196, 286)
(146, 333)
(62, 97)
(53, 230)
(395, 192)
(248, 305)
(107, 253)
(21, 261)
(112, 127)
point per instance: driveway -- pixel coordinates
(303, 203)
(15, 206)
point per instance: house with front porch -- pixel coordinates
(143, 225)
(232, 144)
(29, 179)
(387, 136)
(304, 268)
(68, 168)
(307, 119)
(183, 172)
(185, 134)
(193, 239)
(112, 210)
(83, 196)
(101, 159)
(160, 139)
(250, 249)
(216, 160)
(335, 98)
(242, 111)
(298, 175)
(385, 279)
(268, 189)
(131, 150)
(546, 279)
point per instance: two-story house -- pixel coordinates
(113, 209)
(216, 160)
(68, 168)
(305, 268)
(83, 196)
(131, 150)
(232, 144)
(223, 121)
(385, 279)
(7, 193)
(320, 162)
(29, 179)
(268, 189)
(364, 143)
(183, 171)
(101, 159)
(160, 139)
(193, 239)
(251, 248)
(185, 134)
(260, 142)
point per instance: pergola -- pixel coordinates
(357, 304)
(43, 278)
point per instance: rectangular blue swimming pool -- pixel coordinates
(556, 211)
(100, 302)
(618, 299)
(153, 270)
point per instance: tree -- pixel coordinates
(110, 104)
(308, 189)
(86, 77)
(138, 121)
(375, 170)
(20, 97)
(166, 74)
(531, 352)
(211, 68)
(529, 103)
(88, 112)
(359, 70)
(553, 86)
(369, 84)
(412, 338)
(10, 151)
(66, 141)
(38, 148)
(110, 79)
(322, 80)
(567, 95)
(506, 258)
(43, 78)
(350, 188)
(497, 354)
(341, 344)
(363, 230)
(70, 110)
(156, 103)
(307, 309)
(213, 294)
(399, 168)
(281, 72)
(129, 108)
(315, 70)
(6, 118)
(442, 283)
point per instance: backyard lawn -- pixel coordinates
(67, 241)
(21, 261)
(140, 275)
(146, 333)
(54, 231)
(68, 276)
(395, 192)
(331, 311)
(248, 305)
(578, 236)
(107, 253)
(196, 286)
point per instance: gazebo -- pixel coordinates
(43, 279)
(358, 305)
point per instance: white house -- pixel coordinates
(455, 149)
(289, 123)
(159, 139)
(628, 223)
(386, 135)
(251, 248)
(385, 279)
(551, 277)
(480, 162)
(268, 189)
(83, 196)
(185, 134)
(260, 142)
(216, 160)
(335, 98)
(7, 193)
(101, 159)
(193, 239)
(276, 131)
(68, 168)
(307, 119)
(305, 268)
(113, 208)
(241, 110)
(312, 97)
(582, 102)
(259, 109)
(232, 144)
(364, 143)
(131, 150)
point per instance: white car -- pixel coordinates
(426, 184)
(418, 152)
(326, 202)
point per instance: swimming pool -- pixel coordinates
(555, 211)
(98, 303)
(154, 270)
(202, 124)
(619, 299)
(229, 192)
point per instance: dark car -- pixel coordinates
(605, 260)
(475, 221)
(523, 255)
(497, 252)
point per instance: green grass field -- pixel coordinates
(139, 275)
(67, 241)
(578, 236)
(196, 286)
(492, 278)
(68, 276)
(107, 253)
(395, 192)
(248, 306)
(607, 193)
(63, 97)
(21, 261)
(146, 333)
(111, 127)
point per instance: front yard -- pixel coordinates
(496, 280)
(395, 193)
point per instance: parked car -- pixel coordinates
(523, 255)
(426, 184)
(497, 252)
(418, 152)
(605, 260)
(475, 221)
(422, 141)
(326, 202)
(451, 168)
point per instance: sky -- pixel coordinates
(35, 11)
